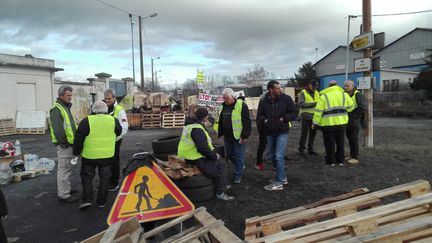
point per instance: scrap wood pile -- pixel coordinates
(196, 227)
(359, 216)
(177, 168)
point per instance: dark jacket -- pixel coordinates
(83, 131)
(3, 205)
(226, 125)
(359, 112)
(274, 115)
(57, 123)
(200, 141)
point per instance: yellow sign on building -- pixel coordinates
(148, 194)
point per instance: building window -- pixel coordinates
(394, 85)
(386, 85)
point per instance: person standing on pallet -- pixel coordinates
(95, 142)
(332, 117)
(234, 124)
(115, 110)
(62, 129)
(355, 120)
(307, 99)
(196, 148)
(275, 111)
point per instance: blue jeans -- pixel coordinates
(236, 153)
(276, 146)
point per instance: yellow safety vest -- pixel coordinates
(354, 99)
(100, 142)
(117, 110)
(186, 148)
(309, 99)
(332, 108)
(68, 125)
(236, 120)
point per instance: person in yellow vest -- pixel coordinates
(307, 99)
(62, 129)
(120, 114)
(95, 142)
(234, 124)
(355, 120)
(331, 115)
(196, 148)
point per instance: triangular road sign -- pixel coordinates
(148, 194)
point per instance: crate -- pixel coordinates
(173, 120)
(7, 127)
(353, 219)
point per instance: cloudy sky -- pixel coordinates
(224, 37)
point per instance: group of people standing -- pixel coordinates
(334, 111)
(96, 140)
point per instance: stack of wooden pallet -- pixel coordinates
(40, 130)
(151, 120)
(360, 218)
(7, 127)
(173, 120)
(134, 119)
(177, 168)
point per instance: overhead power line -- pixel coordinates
(114, 7)
(395, 14)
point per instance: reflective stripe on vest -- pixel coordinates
(236, 120)
(100, 142)
(334, 114)
(308, 100)
(68, 127)
(117, 110)
(186, 148)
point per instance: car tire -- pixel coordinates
(194, 182)
(163, 157)
(165, 145)
(199, 194)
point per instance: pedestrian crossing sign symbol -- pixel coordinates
(148, 194)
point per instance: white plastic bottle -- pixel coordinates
(17, 147)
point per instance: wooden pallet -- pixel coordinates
(205, 228)
(350, 219)
(134, 119)
(28, 174)
(7, 127)
(151, 120)
(40, 130)
(173, 120)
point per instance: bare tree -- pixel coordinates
(306, 73)
(254, 75)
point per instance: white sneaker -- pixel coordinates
(84, 205)
(224, 196)
(352, 161)
(273, 187)
(284, 181)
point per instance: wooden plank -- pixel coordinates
(219, 233)
(198, 233)
(270, 228)
(171, 223)
(30, 130)
(352, 220)
(181, 234)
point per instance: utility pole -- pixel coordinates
(368, 93)
(152, 75)
(133, 56)
(141, 54)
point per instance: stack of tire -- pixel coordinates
(196, 188)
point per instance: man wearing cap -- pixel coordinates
(62, 129)
(115, 110)
(95, 142)
(307, 100)
(196, 148)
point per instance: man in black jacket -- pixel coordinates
(275, 112)
(235, 125)
(3, 216)
(95, 143)
(196, 148)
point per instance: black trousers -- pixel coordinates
(115, 167)
(262, 143)
(352, 132)
(305, 130)
(332, 137)
(217, 169)
(88, 171)
(3, 237)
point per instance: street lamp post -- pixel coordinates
(133, 56)
(152, 67)
(141, 49)
(347, 45)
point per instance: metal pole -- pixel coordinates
(141, 53)
(347, 49)
(152, 75)
(367, 53)
(133, 56)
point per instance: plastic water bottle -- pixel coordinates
(17, 147)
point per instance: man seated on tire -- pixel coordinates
(196, 148)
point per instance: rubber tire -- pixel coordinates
(166, 145)
(194, 182)
(200, 194)
(163, 157)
